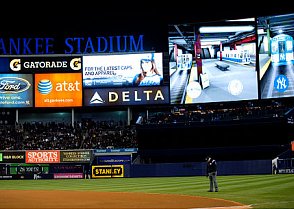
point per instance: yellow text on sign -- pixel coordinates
(107, 171)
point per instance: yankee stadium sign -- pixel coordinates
(71, 45)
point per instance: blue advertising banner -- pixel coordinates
(122, 150)
(114, 160)
(16, 90)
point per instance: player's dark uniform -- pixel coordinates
(212, 173)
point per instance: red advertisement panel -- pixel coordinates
(68, 175)
(43, 156)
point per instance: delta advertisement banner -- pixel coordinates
(12, 157)
(58, 90)
(76, 156)
(147, 95)
(16, 90)
(123, 70)
(42, 156)
(43, 64)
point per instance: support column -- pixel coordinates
(72, 117)
(129, 116)
(16, 116)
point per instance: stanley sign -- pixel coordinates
(107, 171)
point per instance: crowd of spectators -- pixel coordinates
(91, 134)
(209, 114)
(87, 134)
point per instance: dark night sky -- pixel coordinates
(120, 16)
(104, 18)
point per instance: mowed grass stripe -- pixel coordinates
(262, 191)
(94, 184)
(261, 182)
(226, 181)
(233, 180)
(270, 189)
(133, 183)
(258, 182)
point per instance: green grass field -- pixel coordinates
(259, 191)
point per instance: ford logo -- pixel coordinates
(13, 85)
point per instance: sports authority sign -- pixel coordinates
(43, 156)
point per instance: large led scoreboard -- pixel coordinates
(227, 60)
(77, 81)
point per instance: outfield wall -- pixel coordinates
(246, 167)
(112, 163)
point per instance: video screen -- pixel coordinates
(124, 80)
(213, 61)
(275, 51)
(123, 70)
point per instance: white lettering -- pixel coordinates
(46, 64)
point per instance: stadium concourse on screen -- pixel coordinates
(217, 72)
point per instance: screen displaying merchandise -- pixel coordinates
(213, 61)
(124, 79)
(123, 70)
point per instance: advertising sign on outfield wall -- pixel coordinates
(114, 160)
(109, 171)
(68, 175)
(42, 156)
(12, 157)
(83, 156)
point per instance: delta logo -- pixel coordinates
(126, 96)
